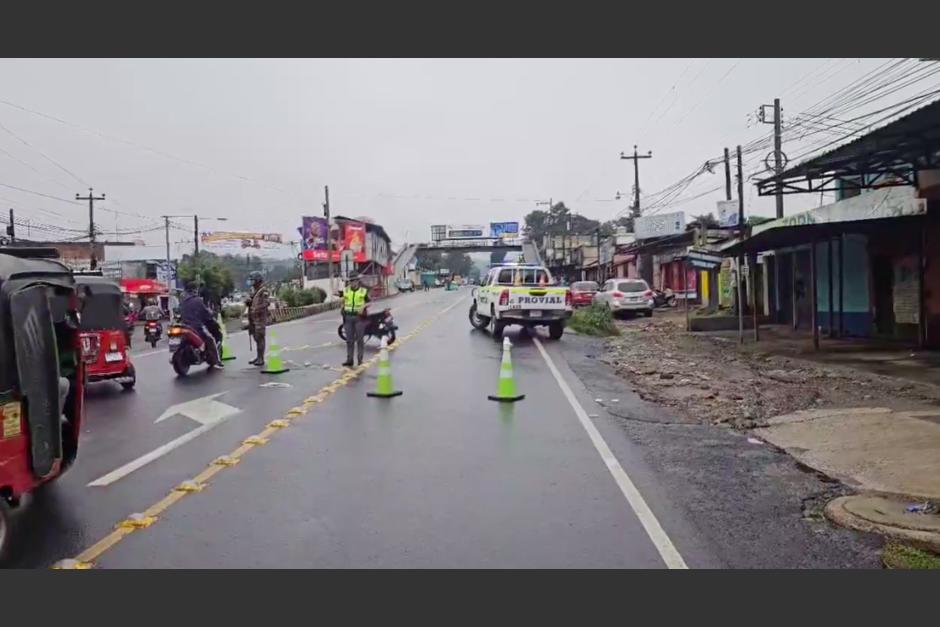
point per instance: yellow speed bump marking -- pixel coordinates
(190, 486)
(71, 564)
(135, 522)
(255, 440)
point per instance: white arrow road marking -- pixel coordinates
(207, 411)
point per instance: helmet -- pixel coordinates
(255, 277)
(353, 276)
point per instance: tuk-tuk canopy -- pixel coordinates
(102, 307)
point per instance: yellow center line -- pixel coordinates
(86, 558)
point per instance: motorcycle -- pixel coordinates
(378, 325)
(664, 299)
(188, 349)
(152, 332)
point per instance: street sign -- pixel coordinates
(659, 225)
(346, 263)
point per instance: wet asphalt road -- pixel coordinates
(439, 477)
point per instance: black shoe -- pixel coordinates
(359, 361)
(347, 364)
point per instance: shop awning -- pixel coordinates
(142, 286)
(865, 213)
(887, 156)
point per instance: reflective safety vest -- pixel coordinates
(354, 301)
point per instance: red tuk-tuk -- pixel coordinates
(104, 334)
(41, 374)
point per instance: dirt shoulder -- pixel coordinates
(709, 379)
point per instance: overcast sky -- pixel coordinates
(406, 142)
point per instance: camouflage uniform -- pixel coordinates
(258, 318)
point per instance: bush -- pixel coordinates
(294, 297)
(233, 311)
(594, 320)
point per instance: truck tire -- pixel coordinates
(498, 327)
(556, 330)
(477, 321)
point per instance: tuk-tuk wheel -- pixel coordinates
(5, 534)
(132, 375)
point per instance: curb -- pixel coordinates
(835, 511)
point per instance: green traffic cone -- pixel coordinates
(506, 390)
(384, 387)
(227, 353)
(272, 360)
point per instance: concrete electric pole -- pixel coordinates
(635, 157)
(91, 198)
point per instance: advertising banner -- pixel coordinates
(504, 229)
(313, 233)
(659, 225)
(354, 239)
(727, 213)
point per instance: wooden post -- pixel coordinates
(841, 285)
(829, 281)
(753, 267)
(685, 288)
(812, 287)
(793, 295)
(921, 262)
(738, 280)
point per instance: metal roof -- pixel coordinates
(887, 156)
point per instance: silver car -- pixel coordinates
(622, 295)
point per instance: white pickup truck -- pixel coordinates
(520, 294)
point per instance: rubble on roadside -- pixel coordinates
(708, 378)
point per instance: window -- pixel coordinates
(531, 277)
(584, 286)
(632, 286)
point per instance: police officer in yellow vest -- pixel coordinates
(354, 298)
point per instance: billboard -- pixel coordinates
(466, 231)
(659, 225)
(238, 236)
(313, 233)
(727, 213)
(346, 236)
(504, 229)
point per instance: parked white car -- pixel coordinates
(626, 295)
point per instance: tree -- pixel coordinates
(212, 276)
(457, 262)
(706, 220)
(429, 260)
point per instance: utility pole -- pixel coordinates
(636, 176)
(196, 235)
(740, 273)
(329, 237)
(778, 153)
(91, 198)
(11, 229)
(727, 175)
(166, 222)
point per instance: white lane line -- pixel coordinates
(654, 530)
(143, 460)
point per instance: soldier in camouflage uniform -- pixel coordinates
(258, 315)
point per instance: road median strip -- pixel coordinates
(87, 558)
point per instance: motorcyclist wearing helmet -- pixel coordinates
(195, 315)
(258, 306)
(152, 311)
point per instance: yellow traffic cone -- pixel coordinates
(506, 389)
(384, 387)
(272, 359)
(227, 353)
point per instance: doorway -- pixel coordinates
(883, 286)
